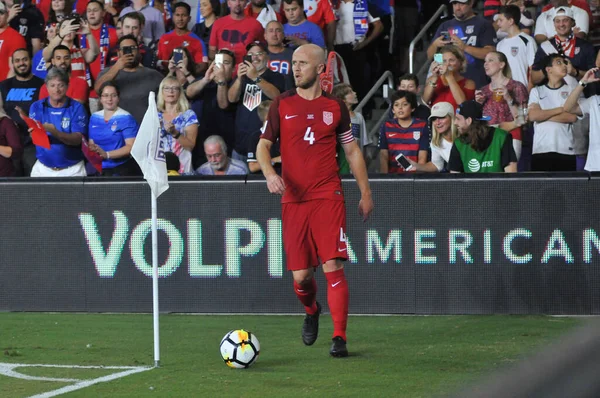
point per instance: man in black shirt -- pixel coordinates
(254, 84)
(29, 22)
(22, 90)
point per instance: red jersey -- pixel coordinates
(106, 44)
(10, 40)
(308, 133)
(170, 41)
(77, 90)
(235, 35)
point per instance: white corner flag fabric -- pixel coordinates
(148, 150)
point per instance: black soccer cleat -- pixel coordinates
(338, 348)
(310, 328)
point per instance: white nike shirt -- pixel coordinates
(552, 136)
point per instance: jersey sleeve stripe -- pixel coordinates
(346, 137)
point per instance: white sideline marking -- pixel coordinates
(7, 369)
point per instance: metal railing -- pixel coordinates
(388, 78)
(411, 49)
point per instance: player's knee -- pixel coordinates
(333, 265)
(304, 276)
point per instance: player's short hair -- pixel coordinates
(217, 139)
(138, 16)
(182, 4)
(263, 110)
(411, 98)
(511, 12)
(410, 76)
(56, 73)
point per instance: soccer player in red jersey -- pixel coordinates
(309, 123)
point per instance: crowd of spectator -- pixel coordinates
(508, 81)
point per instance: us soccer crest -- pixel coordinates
(252, 97)
(577, 50)
(514, 51)
(113, 128)
(327, 118)
(416, 135)
(65, 123)
(564, 94)
(470, 29)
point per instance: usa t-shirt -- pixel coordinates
(235, 35)
(72, 118)
(520, 52)
(403, 140)
(111, 134)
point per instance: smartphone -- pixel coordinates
(403, 162)
(177, 56)
(445, 35)
(248, 58)
(127, 50)
(219, 60)
(439, 58)
(597, 73)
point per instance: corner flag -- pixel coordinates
(149, 152)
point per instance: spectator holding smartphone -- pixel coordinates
(471, 34)
(447, 83)
(402, 134)
(588, 106)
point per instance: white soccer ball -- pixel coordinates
(239, 349)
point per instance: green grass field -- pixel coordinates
(399, 356)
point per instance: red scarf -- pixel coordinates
(567, 47)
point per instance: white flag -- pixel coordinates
(148, 150)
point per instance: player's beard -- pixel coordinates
(307, 84)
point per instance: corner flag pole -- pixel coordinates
(155, 282)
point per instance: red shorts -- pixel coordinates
(314, 230)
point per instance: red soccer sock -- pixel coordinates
(307, 293)
(337, 298)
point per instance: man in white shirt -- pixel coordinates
(518, 47)
(544, 25)
(588, 106)
(553, 126)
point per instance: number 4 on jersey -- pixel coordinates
(309, 136)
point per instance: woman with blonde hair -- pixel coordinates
(179, 124)
(443, 134)
(504, 100)
(446, 83)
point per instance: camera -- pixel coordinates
(177, 56)
(128, 50)
(76, 18)
(248, 58)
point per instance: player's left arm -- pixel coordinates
(359, 170)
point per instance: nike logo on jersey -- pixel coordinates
(290, 117)
(335, 284)
(392, 135)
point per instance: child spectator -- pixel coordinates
(403, 134)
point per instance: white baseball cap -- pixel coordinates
(563, 12)
(441, 109)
